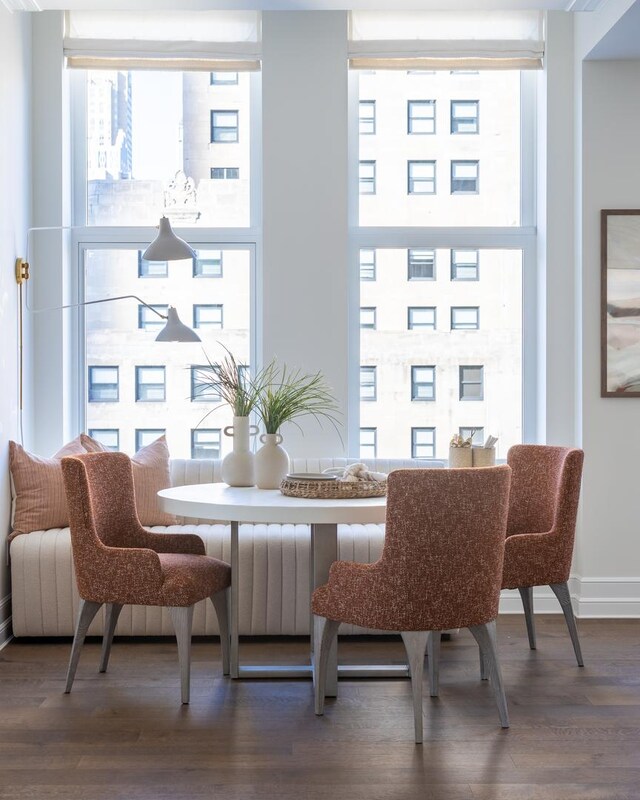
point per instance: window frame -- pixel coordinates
(155, 323)
(213, 127)
(412, 326)
(137, 436)
(411, 180)
(138, 384)
(462, 383)
(411, 118)
(372, 119)
(194, 446)
(464, 326)
(197, 260)
(457, 162)
(415, 444)
(94, 433)
(197, 324)
(372, 264)
(91, 382)
(153, 276)
(412, 261)
(374, 431)
(475, 103)
(216, 82)
(374, 326)
(455, 266)
(372, 181)
(369, 370)
(415, 384)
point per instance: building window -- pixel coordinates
(224, 126)
(103, 385)
(464, 265)
(367, 177)
(148, 320)
(150, 384)
(464, 116)
(367, 264)
(423, 383)
(423, 442)
(147, 436)
(225, 173)
(421, 116)
(368, 442)
(421, 318)
(152, 269)
(465, 318)
(201, 389)
(367, 117)
(205, 443)
(207, 264)
(368, 317)
(472, 383)
(108, 437)
(207, 316)
(368, 384)
(421, 177)
(223, 78)
(475, 434)
(465, 177)
(421, 265)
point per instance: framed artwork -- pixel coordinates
(620, 303)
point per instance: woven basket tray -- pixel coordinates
(333, 490)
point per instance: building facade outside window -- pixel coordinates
(104, 384)
(421, 116)
(368, 384)
(465, 116)
(423, 383)
(205, 443)
(224, 126)
(471, 383)
(423, 442)
(151, 385)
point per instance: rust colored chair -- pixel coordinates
(441, 568)
(543, 504)
(118, 562)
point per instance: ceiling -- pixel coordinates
(622, 41)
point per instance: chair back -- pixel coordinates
(444, 543)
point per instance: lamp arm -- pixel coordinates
(103, 300)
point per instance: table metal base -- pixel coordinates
(346, 671)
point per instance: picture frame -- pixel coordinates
(620, 302)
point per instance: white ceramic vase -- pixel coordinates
(272, 462)
(238, 466)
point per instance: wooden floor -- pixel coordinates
(575, 733)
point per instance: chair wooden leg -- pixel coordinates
(221, 606)
(111, 620)
(415, 643)
(433, 654)
(324, 633)
(526, 593)
(182, 618)
(485, 636)
(87, 612)
(561, 591)
(483, 667)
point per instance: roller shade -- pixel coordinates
(192, 40)
(446, 40)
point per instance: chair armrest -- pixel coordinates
(117, 571)
(185, 543)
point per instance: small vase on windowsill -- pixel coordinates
(272, 462)
(238, 466)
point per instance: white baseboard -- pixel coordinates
(5, 621)
(606, 598)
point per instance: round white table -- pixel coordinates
(219, 501)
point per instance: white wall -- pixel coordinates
(15, 175)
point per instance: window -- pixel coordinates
(423, 442)
(367, 117)
(367, 264)
(207, 316)
(423, 383)
(465, 318)
(225, 173)
(421, 265)
(207, 264)
(464, 116)
(472, 383)
(205, 443)
(152, 269)
(421, 116)
(201, 391)
(368, 317)
(148, 320)
(464, 265)
(150, 384)
(368, 442)
(421, 318)
(108, 437)
(224, 126)
(367, 177)
(465, 177)
(103, 385)
(147, 436)
(223, 78)
(368, 383)
(476, 433)
(421, 177)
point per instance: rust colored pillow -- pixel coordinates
(38, 500)
(150, 474)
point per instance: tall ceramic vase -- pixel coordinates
(238, 466)
(272, 462)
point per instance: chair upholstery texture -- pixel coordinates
(543, 505)
(441, 564)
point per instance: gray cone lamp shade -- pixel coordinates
(167, 246)
(176, 331)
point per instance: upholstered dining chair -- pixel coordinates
(543, 505)
(441, 568)
(118, 562)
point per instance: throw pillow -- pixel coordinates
(38, 500)
(150, 474)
